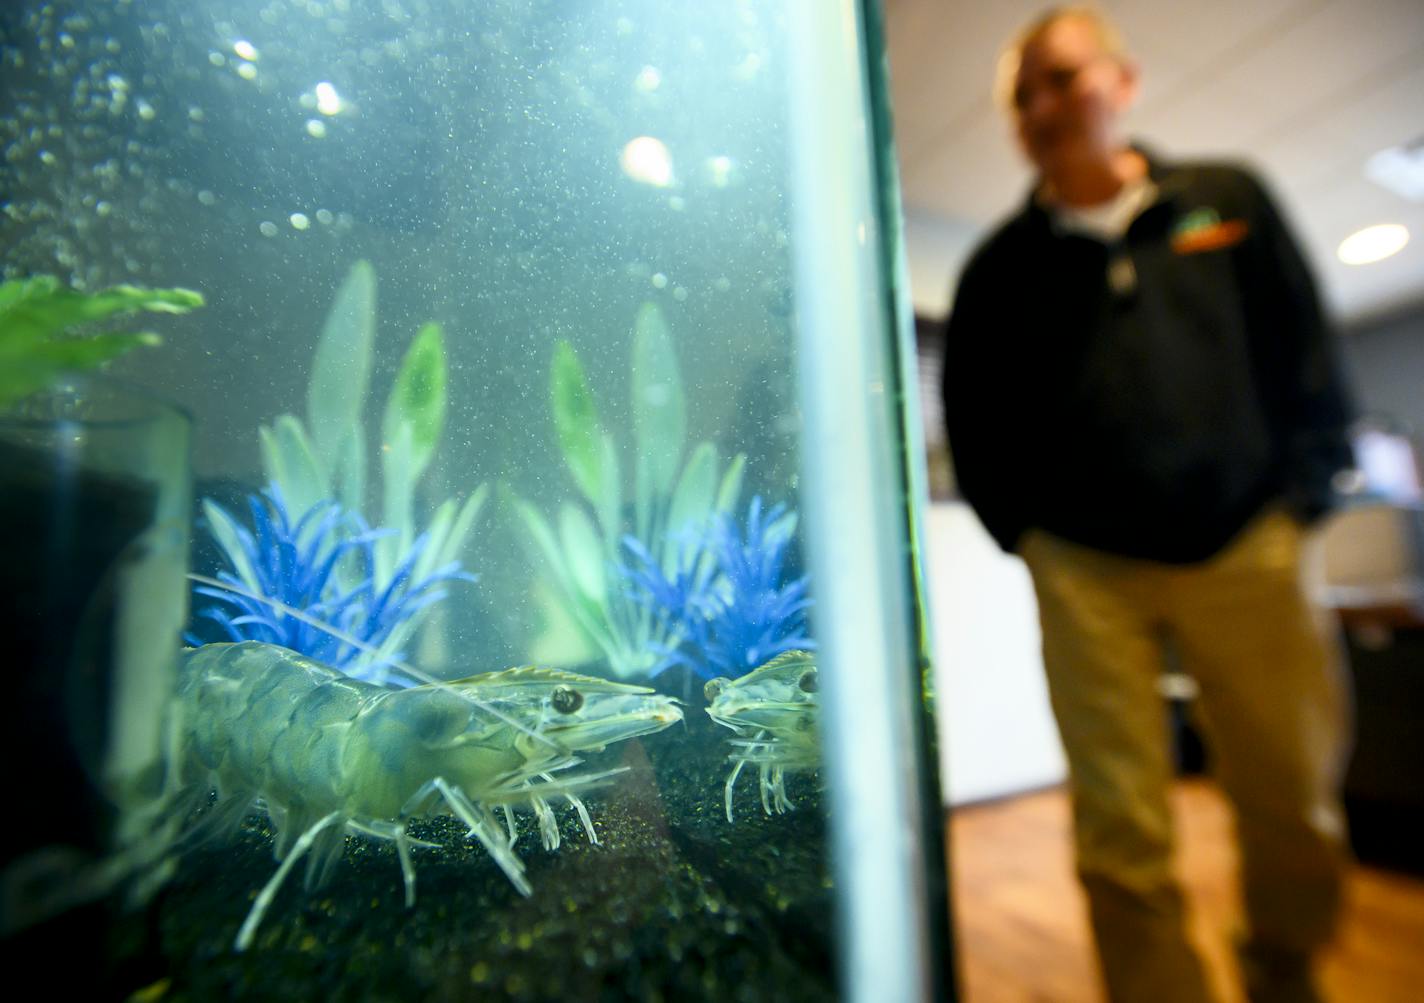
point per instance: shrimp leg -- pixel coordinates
(269, 890)
(737, 771)
(548, 822)
(582, 810)
(483, 827)
(395, 832)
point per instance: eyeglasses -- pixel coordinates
(1057, 80)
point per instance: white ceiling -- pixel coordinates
(1307, 90)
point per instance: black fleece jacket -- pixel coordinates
(1150, 396)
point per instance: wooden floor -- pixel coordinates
(1021, 921)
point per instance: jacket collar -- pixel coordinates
(1169, 180)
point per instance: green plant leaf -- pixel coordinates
(782, 529)
(27, 366)
(464, 523)
(341, 368)
(417, 398)
(350, 480)
(225, 531)
(547, 546)
(436, 533)
(288, 461)
(38, 340)
(398, 511)
(731, 485)
(642, 498)
(543, 536)
(584, 552)
(692, 498)
(610, 503)
(16, 290)
(562, 639)
(576, 423)
(41, 308)
(591, 618)
(659, 410)
(448, 530)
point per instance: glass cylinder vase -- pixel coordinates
(95, 485)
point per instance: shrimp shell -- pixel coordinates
(326, 754)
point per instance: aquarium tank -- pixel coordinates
(459, 505)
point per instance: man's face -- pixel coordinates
(1067, 97)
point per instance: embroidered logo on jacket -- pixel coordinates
(1205, 230)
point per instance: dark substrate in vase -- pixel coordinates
(64, 534)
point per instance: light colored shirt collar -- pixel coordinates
(1107, 221)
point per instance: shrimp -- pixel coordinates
(326, 754)
(776, 705)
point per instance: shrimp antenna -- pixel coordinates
(370, 649)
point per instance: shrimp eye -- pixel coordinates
(714, 688)
(807, 682)
(566, 700)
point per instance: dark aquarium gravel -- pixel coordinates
(674, 904)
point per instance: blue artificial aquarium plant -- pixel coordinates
(292, 579)
(734, 612)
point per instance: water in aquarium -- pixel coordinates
(433, 366)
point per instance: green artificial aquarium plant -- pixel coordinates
(674, 492)
(41, 323)
(325, 457)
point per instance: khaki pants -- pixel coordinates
(1274, 706)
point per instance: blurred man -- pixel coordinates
(1144, 403)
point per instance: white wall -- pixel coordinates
(996, 731)
(936, 250)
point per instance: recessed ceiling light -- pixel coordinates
(1400, 169)
(1373, 243)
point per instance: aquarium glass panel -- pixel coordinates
(502, 340)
